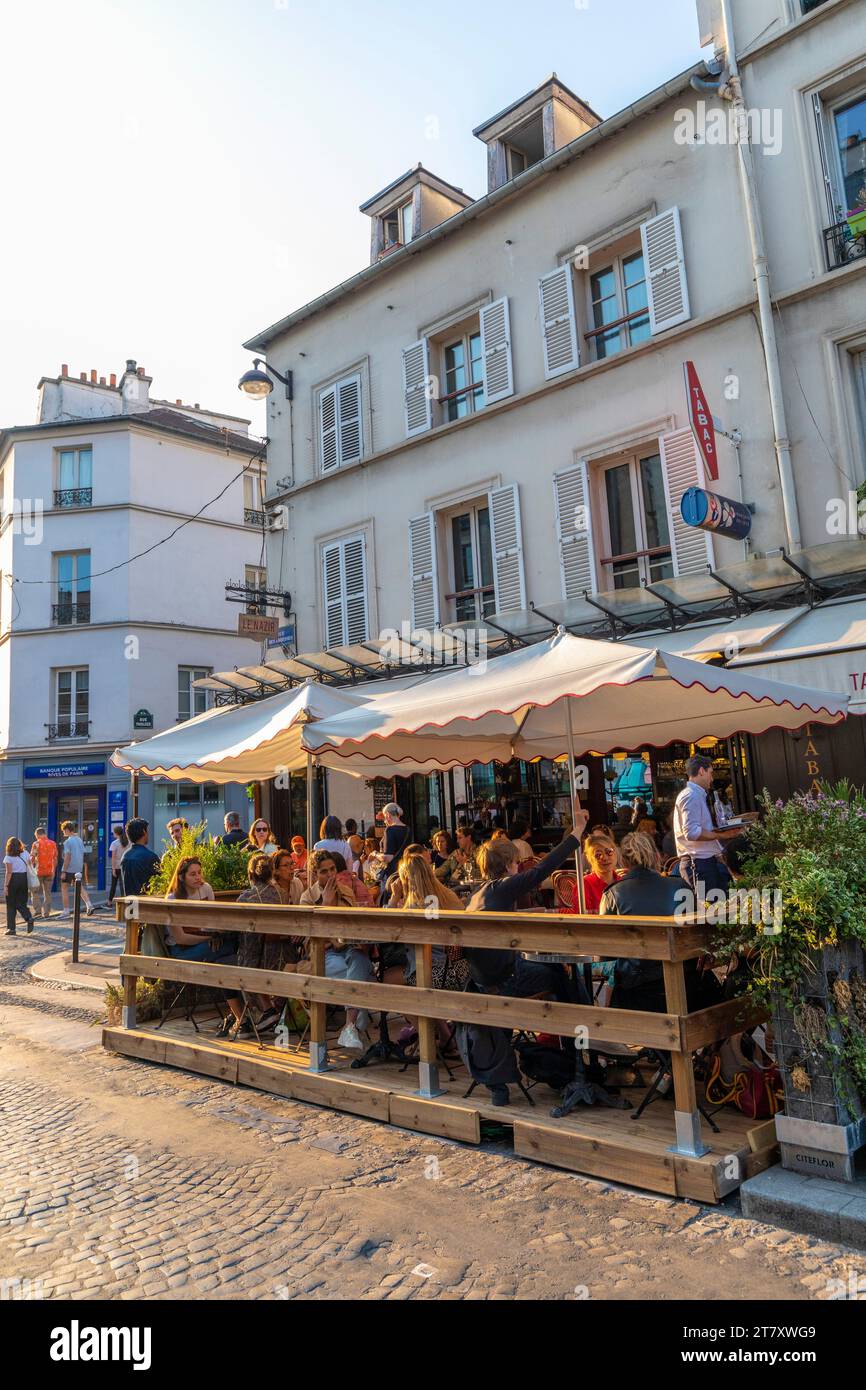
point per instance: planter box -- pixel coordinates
(824, 1126)
(857, 222)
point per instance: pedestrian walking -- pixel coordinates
(119, 846)
(73, 863)
(18, 868)
(43, 855)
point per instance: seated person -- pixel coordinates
(644, 892)
(602, 857)
(462, 863)
(344, 960)
(257, 950)
(285, 878)
(520, 835)
(441, 845)
(299, 854)
(188, 883)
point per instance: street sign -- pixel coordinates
(256, 625)
(48, 772)
(709, 512)
(142, 719)
(285, 637)
(701, 420)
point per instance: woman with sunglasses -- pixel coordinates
(603, 859)
(261, 839)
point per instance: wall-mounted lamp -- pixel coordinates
(259, 384)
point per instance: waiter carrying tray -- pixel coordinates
(698, 840)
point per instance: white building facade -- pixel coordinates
(107, 621)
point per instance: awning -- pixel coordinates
(825, 648)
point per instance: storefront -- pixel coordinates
(72, 791)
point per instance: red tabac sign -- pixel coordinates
(701, 420)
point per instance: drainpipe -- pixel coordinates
(734, 94)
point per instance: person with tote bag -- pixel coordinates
(20, 878)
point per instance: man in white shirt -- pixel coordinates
(698, 841)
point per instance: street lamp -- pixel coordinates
(258, 384)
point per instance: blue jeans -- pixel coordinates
(202, 950)
(706, 871)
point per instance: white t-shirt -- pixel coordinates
(339, 847)
(117, 851)
(18, 863)
(524, 849)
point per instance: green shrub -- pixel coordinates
(223, 866)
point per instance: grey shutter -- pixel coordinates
(691, 548)
(423, 571)
(496, 351)
(349, 406)
(665, 268)
(332, 590)
(416, 388)
(329, 446)
(556, 296)
(355, 582)
(505, 531)
(574, 531)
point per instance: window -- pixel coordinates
(849, 131)
(515, 161)
(463, 376)
(398, 225)
(188, 794)
(256, 580)
(71, 704)
(254, 489)
(189, 701)
(74, 477)
(471, 559)
(618, 305)
(344, 586)
(341, 438)
(72, 577)
(636, 534)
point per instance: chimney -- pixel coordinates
(64, 370)
(140, 371)
(134, 388)
(93, 375)
(83, 376)
(197, 406)
(178, 401)
(130, 364)
(102, 381)
(112, 380)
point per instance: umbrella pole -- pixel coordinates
(309, 802)
(578, 853)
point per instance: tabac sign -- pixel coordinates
(701, 421)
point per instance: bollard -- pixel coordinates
(76, 918)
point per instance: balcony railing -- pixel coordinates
(253, 517)
(843, 245)
(68, 729)
(66, 614)
(73, 497)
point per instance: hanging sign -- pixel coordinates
(709, 512)
(701, 421)
(256, 625)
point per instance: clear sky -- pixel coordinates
(177, 176)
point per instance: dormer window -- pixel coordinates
(408, 208)
(398, 226)
(530, 129)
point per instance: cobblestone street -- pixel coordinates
(123, 1180)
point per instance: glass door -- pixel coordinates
(82, 808)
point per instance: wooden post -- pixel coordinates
(318, 1012)
(686, 1114)
(428, 1070)
(130, 949)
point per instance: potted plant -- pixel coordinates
(856, 217)
(808, 967)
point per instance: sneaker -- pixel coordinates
(242, 1030)
(226, 1026)
(88, 911)
(64, 914)
(350, 1038)
(499, 1095)
(269, 1020)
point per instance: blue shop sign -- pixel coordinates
(50, 772)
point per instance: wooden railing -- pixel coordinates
(665, 939)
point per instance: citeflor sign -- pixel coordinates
(701, 421)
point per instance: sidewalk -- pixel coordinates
(96, 967)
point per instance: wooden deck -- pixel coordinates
(597, 1141)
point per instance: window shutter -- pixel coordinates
(691, 548)
(556, 294)
(665, 266)
(329, 449)
(509, 584)
(416, 377)
(423, 571)
(355, 574)
(349, 402)
(332, 586)
(496, 351)
(574, 531)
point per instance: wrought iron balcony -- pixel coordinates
(67, 614)
(68, 729)
(253, 517)
(843, 245)
(73, 497)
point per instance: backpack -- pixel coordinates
(540, 1062)
(487, 1053)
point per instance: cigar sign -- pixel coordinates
(701, 420)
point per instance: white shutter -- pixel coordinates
(556, 295)
(665, 267)
(682, 468)
(496, 351)
(332, 589)
(423, 571)
(416, 387)
(509, 585)
(329, 447)
(355, 578)
(349, 409)
(574, 531)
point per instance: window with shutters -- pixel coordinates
(344, 591)
(462, 376)
(341, 431)
(634, 531)
(398, 226)
(460, 369)
(617, 303)
(469, 546)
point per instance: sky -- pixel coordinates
(176, 177)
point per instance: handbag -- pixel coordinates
(752, 1085)
(32, 875)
